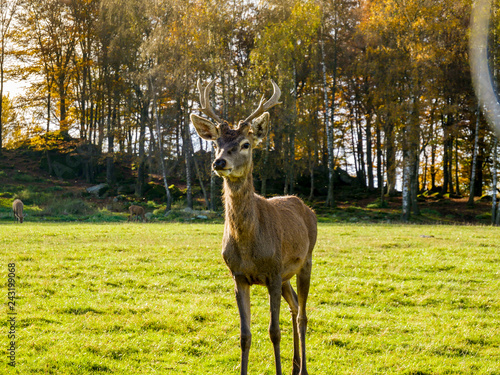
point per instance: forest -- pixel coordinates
(376, 94)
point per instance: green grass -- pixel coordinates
(158, 299)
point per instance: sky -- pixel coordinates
(12, 88)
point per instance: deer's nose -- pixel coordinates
(219, 164)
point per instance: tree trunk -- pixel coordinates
(474, 159)
(414, 153)
(49, 104)
(62, 104)
(380, 171)
(478, 184)
(2, 57)
(390, 158)
(406, 203)
(447, 144)
(311, 177)
(411, 142)
(212, 180)
(291, 167)
(100, 121)
(188, 160)
(426, 168)
(200, 180)
(433, 170)
(293, 126)
(457, 182)
(141, 162)
(361, 172)
(329, 115)
(451, 190)
(263, 186)
(414, 183)
(494, 184)
(160, 149)
(369, 160)
(110, 155)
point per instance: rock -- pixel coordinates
(344, 177)
(126, 189)
(97, 190)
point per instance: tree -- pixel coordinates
(8, 10)
(50, 42)
(283, 51)
(421, 44)
(366, 85)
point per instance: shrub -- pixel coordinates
(30, 197)
(378, 203)
(155, 191)
(430, 212)
(175, 192)
(104, 215)
(68, 207)
(484, 216)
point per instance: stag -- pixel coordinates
(266, 241)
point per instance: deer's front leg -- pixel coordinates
(242, 290)
(274, 289)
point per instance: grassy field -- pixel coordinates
(158, 299)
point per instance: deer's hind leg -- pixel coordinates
(291, 298)
(303, 283)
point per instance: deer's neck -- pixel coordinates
(240, 208)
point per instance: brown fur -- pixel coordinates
(136, 212)
(279, 230)
(17, 208)
(266, 241)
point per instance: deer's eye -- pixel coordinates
(246, 146)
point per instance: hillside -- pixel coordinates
(51, 198)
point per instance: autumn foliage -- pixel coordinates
(388, 82)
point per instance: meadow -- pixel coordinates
(156, 298)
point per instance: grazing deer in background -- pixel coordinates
(266, 241)
(136, 212)
(17, 208)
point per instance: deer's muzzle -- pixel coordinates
(219, 164)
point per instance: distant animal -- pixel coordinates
(136, 212)
(17, 208)
(266, 241)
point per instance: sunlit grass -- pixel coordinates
(157, 298)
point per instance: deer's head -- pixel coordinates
(233, 146)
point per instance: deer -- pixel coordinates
(17, 208)
(265, 241)
(136, 212)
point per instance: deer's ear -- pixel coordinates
(260, 127)
(206, 129)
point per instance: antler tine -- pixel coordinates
(267, 105)
(206, 108)
(200, 90)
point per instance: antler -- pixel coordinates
(263, 107)
(206, 108)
